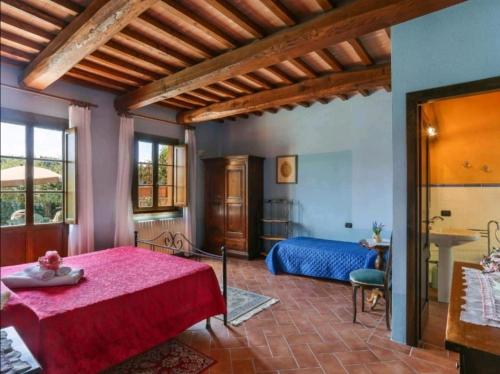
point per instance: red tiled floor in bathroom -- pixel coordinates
(311, 331)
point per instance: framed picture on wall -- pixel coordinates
(286, 169)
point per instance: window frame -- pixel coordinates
(30, 121)
(155, 140)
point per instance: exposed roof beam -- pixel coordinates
(329, 85)
(340, 24)
(361, 52)
(88, 31)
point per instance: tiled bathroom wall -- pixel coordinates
(471, 208)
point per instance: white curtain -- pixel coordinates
(81, 235)
(190, 210)
(124, 222)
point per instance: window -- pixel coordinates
(32, 169)
(159, 183)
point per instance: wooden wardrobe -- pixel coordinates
(233, 204)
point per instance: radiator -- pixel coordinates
(149, 229)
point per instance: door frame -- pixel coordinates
(413, 134)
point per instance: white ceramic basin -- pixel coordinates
(450, 237)
(445, 239)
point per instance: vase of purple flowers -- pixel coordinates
(377, 232)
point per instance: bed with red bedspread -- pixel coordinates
(130, 300)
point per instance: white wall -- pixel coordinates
(104, 137)
(455, 45)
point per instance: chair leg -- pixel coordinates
(354, 292)
(388, 309)
(362, 299)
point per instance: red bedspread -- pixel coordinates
(130, 300)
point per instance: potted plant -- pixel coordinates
(377, 230)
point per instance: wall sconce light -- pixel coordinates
(431, 131)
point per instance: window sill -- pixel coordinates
(138, 217)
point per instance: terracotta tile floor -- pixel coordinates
(311, 331)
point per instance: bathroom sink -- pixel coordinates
(445, 239)
(451, 237)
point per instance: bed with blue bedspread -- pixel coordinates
(319, 258)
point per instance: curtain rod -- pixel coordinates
(159, 120)
(73, 101)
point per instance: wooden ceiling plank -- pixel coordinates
(253, 80)
(39, 34)
(361, 52)
(146, 21)
(328, 85)
(95, 26)
(191, 100)
(16, 54)
(179, 104)
(20, 6)
(120, 65)
(109, 73)
(192, 19)
(219, 91)
(343, 23)
(300, 65)
(97, 80)
(280, 11)
(173, 57)
(73, 8)
(326, 56)
(233, 14)
(205, 96)
(235, 87)
(324, 4)
(20, 42)
(124, 53)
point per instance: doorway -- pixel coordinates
(419, 137)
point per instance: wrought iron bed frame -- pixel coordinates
(174, 241)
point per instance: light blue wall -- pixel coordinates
(345, 161)
(455, 45)
(104, 128)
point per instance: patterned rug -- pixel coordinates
(243, 305)
(171, 357)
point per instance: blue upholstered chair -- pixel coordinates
(371, 279)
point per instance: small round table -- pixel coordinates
(380, 247)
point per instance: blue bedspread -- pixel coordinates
(320, 258)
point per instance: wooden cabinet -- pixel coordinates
(233, 204)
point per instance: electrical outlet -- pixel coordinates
(348, 225)
(446, 213)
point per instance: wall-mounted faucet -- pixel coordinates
(433, 220)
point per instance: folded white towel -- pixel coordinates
(63, 270)
(40, 273)
(22, 279)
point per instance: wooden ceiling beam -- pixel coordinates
(179, 104)
(324, 4)
(110, 73)
(95, 26)
(69, 6)
(280, 11)
(219, 91)
(205, 96)
(15, 54)
(329, 85)
(301, 66)
(361, 52)
(97, 80)
(340, 24)
(235, 87)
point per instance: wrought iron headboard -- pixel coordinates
(492, 232)
(175, 242)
